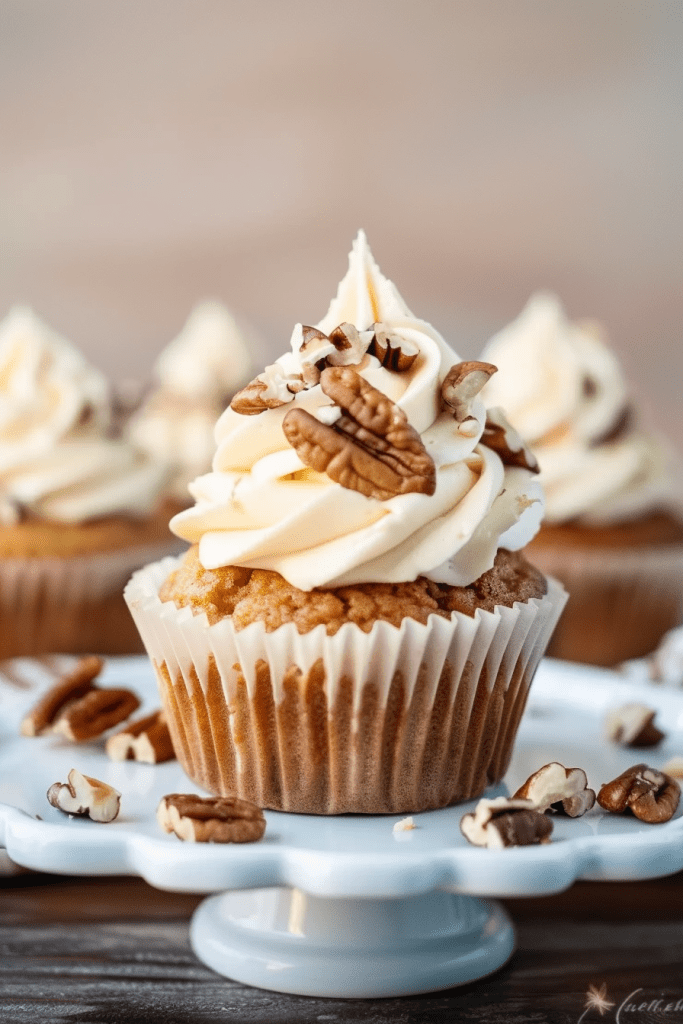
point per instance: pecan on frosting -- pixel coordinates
(371, 448)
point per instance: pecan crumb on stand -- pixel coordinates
(77, 708)
(649, 794)
(213, 819)
(632, 725)
(501, 822)
(146, 740)
(562, 789)
(85, 796)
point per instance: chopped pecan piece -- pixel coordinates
(83, 795)
(42, 716)
(393, 351)
(501, 436)
(370, 448)
(211, 819)
(350, 344)
(632, 725)
(649, 794)
(462, 384)
(314, 350)
(147, 740)
(562, 789)
(270, 390)
(501, 822)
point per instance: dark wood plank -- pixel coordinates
(116, 951)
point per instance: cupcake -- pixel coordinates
(353, 628)
(195, 378)
(78, 510)
(613, 527)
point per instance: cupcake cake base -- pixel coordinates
(389, 720)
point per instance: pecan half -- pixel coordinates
(42, 716)
(370, 448)
(462, 384)
(86, 796)
(502, 438)
(147, 740)
(502, 822)
(95, 713)
(562, 789)
(393, 351)
(632, 725)
(211, 819)
(649, 794)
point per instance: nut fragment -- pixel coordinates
(370, 448)
(270, 390)
(393, 351)
(404, 825)
(501, 436)
(350, 345)
(211, 819)
(94, 713)
(462, 384)
(74, 685)
(83, 795)
(649, 794)
(147, 740)
(502, 822)
(632, 725)
(563, 789)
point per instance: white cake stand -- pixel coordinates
(343, 906)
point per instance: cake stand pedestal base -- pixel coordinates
(288, 941)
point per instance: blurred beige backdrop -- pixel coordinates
(155, 153)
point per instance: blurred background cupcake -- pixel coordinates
(613, 527)
(194, 379)
(79, 509)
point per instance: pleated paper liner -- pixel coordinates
(621, 602)
(73, 604)
(394, 720)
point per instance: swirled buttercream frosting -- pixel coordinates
(56, 459)
(196, 376)
(564, 391)
(359, 456)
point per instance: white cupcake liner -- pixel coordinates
(621, 602)
(45, 602)
(397, 719)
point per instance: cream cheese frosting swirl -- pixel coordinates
(196, 374)
(262, 507)
(56, 460)
(564, 391)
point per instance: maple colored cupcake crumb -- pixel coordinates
(260, 595)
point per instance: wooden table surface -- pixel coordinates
(116, 951)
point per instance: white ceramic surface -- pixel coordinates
(349, 868)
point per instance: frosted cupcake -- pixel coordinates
(613, 528)
(78, 510)
(353, 629)
(195, 378)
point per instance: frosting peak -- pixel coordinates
(196, 374)
(322, 467)
(56, 459)
(564, 391)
